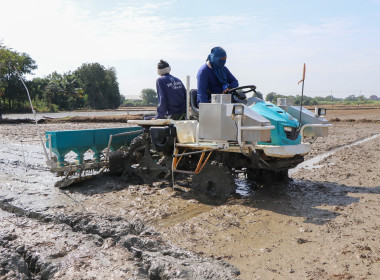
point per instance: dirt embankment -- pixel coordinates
(323, 224)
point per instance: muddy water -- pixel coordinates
(22, 180)
(323, 224)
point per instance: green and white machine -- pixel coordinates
(230, 134)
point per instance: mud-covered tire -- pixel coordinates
(142, 161)
(282, 175)
(215, 181)
(116, 162)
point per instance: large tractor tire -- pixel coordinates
(215, 181)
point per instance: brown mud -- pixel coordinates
(323, 224)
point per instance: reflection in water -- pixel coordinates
(248, 188)
(242, 187)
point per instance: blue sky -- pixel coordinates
(267, 42)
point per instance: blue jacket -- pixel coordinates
(171, 96)
(208, 83)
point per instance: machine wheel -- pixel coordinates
(215, 181)
(149, 169)
(282, 175)
(116, 162)
(142, 161)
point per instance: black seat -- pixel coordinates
(193, 101)
(163, 138)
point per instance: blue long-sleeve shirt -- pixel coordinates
(208, 83)
(171, 96)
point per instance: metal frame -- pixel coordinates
(254, 128)
(201, 163)
(313, 125)
(117, 135)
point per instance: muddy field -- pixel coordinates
(323, 224)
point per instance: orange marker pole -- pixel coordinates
(303, 82)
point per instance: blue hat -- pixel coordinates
(217, 59)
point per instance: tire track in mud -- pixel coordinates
(82, 237)
(136, 246)
(311, 163)
(36, 243)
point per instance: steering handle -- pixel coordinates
(249, 89)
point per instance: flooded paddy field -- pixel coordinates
(118, 112)
(323, 224)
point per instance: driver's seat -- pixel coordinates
(193, 101)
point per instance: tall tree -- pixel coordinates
(11, 62)
(149, 97)
(99, 84)
(91, 77)
(62, 90)
(351, 98)
(37, 87)
(112, 89)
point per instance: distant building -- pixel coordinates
(374, 97)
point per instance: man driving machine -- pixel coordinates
(214, 77)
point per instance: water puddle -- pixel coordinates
(25, 177)
(242, 187)
(193, 211)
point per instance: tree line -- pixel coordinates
(91, 86)
(306, 100)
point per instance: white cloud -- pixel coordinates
(63, 31)
(61, 35)
(331, 27)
